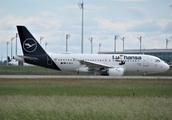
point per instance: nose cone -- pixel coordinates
(165, 67)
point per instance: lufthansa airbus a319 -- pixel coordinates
(98, 64)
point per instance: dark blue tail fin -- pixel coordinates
(29, 43)
(32, 50)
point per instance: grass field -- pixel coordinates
(34, 70)
(86, 99)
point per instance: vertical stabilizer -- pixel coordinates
(29, 43)
(32, 50)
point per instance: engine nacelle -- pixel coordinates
(115, 71)
(84, 69)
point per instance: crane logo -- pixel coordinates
(29, 45)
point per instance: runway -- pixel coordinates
(83, 77)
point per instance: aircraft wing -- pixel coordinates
(94, 65)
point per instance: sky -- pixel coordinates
(103, 19)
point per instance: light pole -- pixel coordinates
(167, 43)
(81, 6)
(16, 42)
(46, 46)
(67, 37)
(99, 46)
(12, 47)
(41, 39)
(123, 43)
(91, 40)
(116, 37)
(140, 38)
(7, 52)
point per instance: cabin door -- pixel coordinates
(49, 60)
(145, 61)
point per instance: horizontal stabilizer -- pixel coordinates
(28, 58)
(23, 58)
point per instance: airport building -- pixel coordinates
(164, 54)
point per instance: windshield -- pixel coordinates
(157, 60)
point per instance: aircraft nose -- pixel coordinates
(166, 67)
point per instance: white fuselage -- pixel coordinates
(134, 63)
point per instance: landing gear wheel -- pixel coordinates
(144, 74)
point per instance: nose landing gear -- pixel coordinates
(144, 74)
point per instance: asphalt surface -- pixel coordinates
(90, 77)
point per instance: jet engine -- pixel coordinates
(115, 71)
(84, 69)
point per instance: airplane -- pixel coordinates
(12, 62)
(98, 64)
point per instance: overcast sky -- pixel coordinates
(103, 19)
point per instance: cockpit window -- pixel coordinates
(157, 60)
